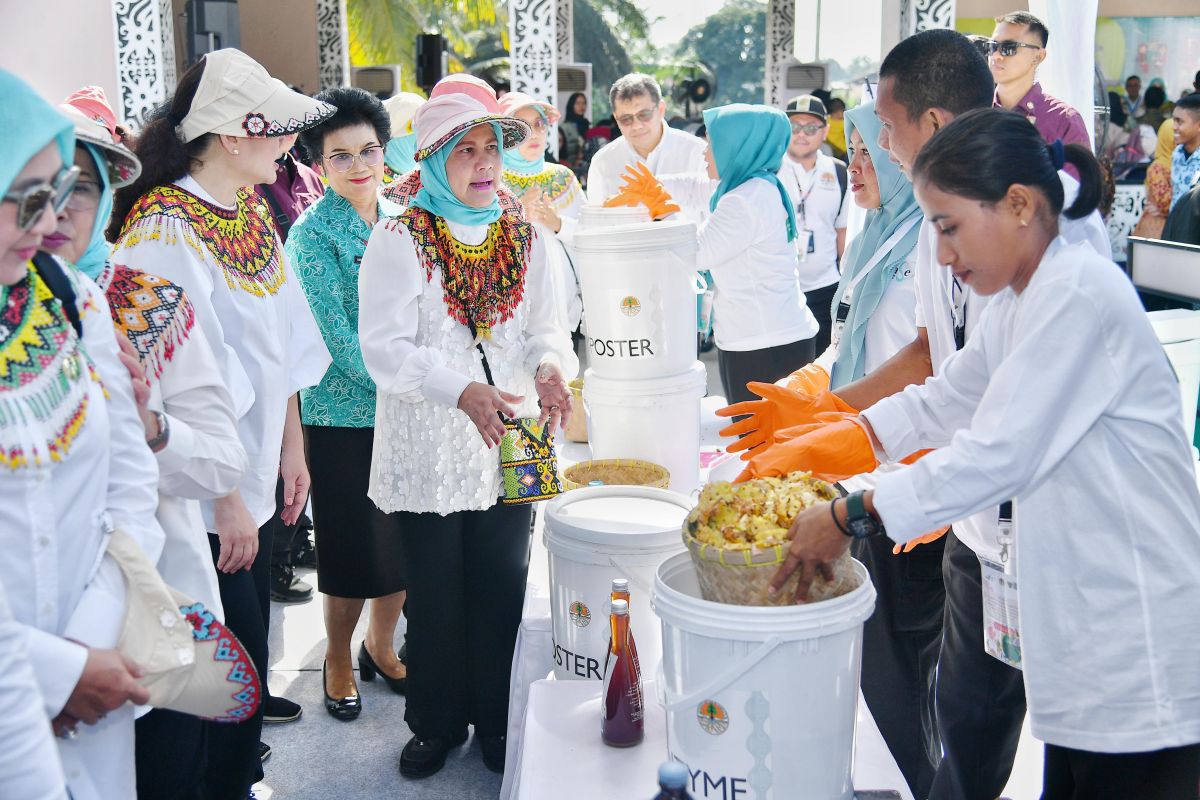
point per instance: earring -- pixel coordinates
(235, 151)
(1024, 223)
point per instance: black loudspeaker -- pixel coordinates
(430, 47)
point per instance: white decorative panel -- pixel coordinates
(143, 33)
(566, 30)
(333, 44)
(532, 36)
(924, 15)
(781, 38)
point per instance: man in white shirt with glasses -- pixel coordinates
(638, 107)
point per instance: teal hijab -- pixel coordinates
(438, 198)
(515, 162)
(748, 141)
(91, 263)
(398, 154)
(27, 124)
(898, 207)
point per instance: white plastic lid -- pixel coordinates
(1175, 324)
(640, 517)
(673, 234)
(597, 216)
(693, 381)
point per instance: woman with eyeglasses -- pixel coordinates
(74, 458)
(360, 554)
(189, 416)
(190, 218)
(551, 196)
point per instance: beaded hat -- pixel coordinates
(444, 117)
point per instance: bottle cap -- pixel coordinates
(620, 607)
(673, 775)
(620, 585)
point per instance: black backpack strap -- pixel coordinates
(56, 280)
(843, 180)
(282, 221)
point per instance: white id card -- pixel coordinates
(804, 243)
(1001, 621)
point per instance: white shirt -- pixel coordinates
(825, 212)
(1064, 400)
(267, 347)
(743, 243)
(29, 763)
(677, 153)
(53, 519)
(939, 304)
(428, 455)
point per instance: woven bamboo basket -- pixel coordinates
(743, 577)
(576, 427)
(615, 472)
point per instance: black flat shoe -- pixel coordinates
(345, 709)
(424, 757)
(493, 748)
(368, 669)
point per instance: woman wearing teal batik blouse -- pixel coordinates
(359, 550)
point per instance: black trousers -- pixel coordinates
(283, 537)
(171, 755)
(1171, 774)
(233, 763)
(901, 640)
(820, 302)
(466, 588)
(739, 367)
(980, 700)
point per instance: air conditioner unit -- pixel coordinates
(792, 77)
(574, 78)
(382, 80)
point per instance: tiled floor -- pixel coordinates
(319, 758)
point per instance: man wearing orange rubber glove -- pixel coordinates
(809, 423)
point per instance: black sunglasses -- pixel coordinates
(33, 200)
(1008, 48)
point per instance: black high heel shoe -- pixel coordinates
(345, 709)
(368, 669)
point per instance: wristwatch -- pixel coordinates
(164, 433)
(859, 523)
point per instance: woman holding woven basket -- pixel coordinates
(458, 327)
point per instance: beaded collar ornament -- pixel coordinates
(241, 241)
(482, 284)
(151, 312)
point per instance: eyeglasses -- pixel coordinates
(33, 200)
(540, 124)
(645, 115)
(808, 128)
(85, 197)
(370, 157)
(1007, 48)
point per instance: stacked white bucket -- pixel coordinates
(643, 387)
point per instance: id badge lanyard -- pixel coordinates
(843, 309)
(807, 243)
(1001, 617)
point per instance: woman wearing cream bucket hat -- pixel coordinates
(190, 219)
(453, 271)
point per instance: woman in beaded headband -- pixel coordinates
(458, 327)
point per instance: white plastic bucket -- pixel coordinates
(760, 701)
(596, 534)
(1178, 331)
(595, 216)
(656, 420)
(639, 287)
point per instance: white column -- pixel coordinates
(566, 30)
(532, 39)
(1069, 71)
(333, 44)
(144, 37)
(781, 40)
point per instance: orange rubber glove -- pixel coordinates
(808, 380)
(908, 546)
(639, 186)
(779, 408)
(832, 448)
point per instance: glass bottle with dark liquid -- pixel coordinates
(621, 723)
